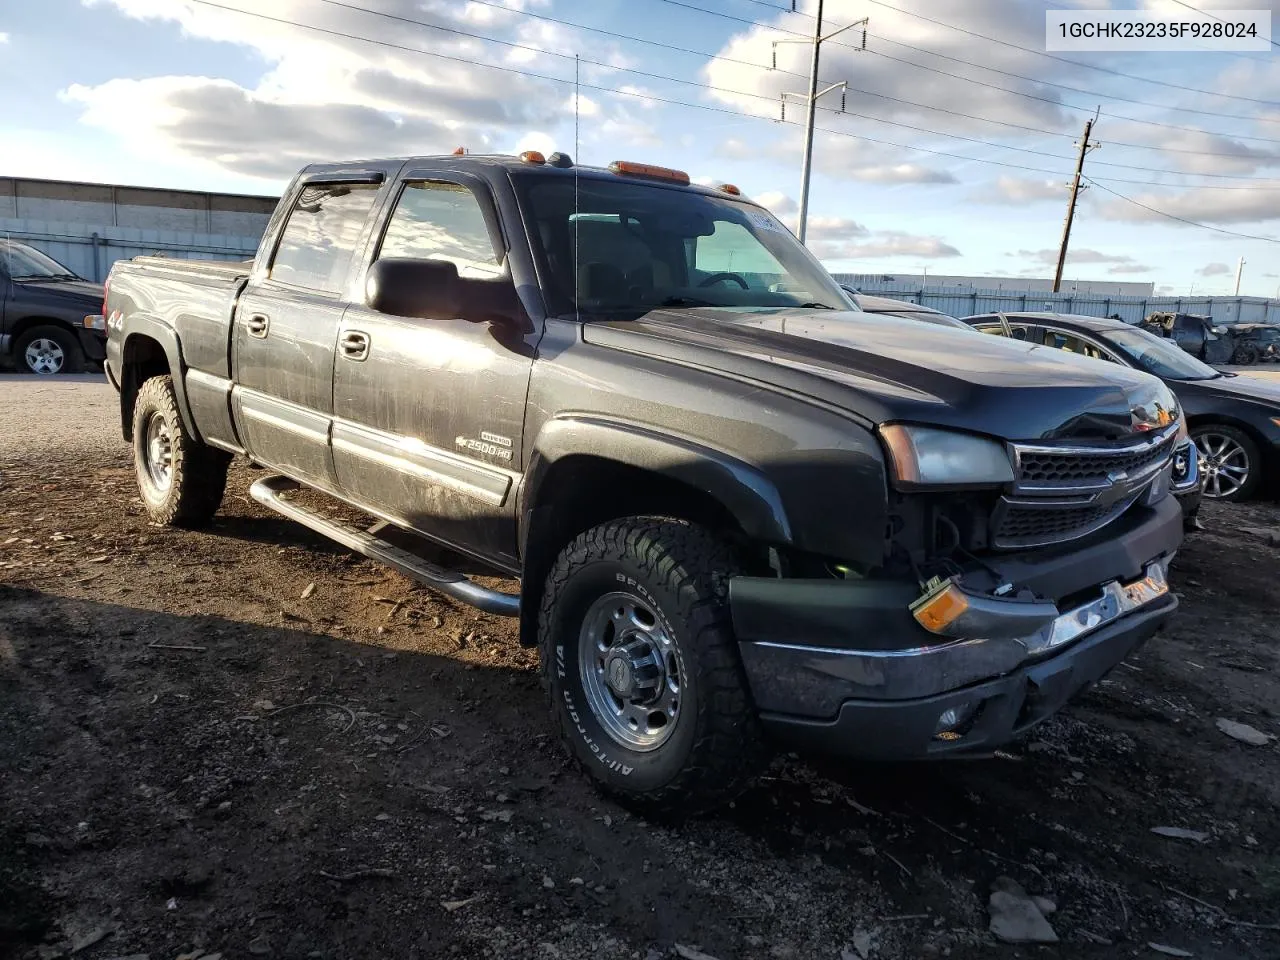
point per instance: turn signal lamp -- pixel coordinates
(533, 156)
(940, 606)
(627, 168)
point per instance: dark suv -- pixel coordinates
(43, 311)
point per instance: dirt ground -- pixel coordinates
(248, 742)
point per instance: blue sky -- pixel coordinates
(928, 167)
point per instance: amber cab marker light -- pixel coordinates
(1276, 421)
(937, 611)
(533, 156)
(730, 189)
(460, 151)
(628, 168)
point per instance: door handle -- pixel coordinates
(257, 325)
(354, 345)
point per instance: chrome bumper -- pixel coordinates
(927, 671)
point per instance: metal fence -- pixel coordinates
(963, 302)
(91, 250)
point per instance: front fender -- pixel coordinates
(745, 491)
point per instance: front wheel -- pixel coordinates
(180, 479)
(1230, 461)
(48, 350)
(1245, 355)
(643, 671)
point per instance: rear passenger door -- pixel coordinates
(286, 324)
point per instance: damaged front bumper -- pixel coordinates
(843, 667)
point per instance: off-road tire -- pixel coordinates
(72, 355)
(1245, 355)
(682, 571)
(198, 474)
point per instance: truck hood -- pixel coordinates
(61, 292)
(885, 368)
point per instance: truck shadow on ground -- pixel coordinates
(289, 789)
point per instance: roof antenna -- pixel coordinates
(577, 287)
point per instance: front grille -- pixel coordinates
(1094, 466)
(1065, 492)
(1033, 525)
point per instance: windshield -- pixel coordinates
(1162, 357)
(22, 262)
(639, 246)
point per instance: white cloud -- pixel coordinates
(1204, 205)
(1213, 270)
(1019, 190)
(777, 201)
(886, 244)
(4, 37)
(332, 96)
(1049, 257)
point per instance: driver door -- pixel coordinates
(429, 413)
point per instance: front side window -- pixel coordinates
(442, 221)
(320, 235)
(619, 248)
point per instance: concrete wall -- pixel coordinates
(1011, 284)
(61, 217)
(88, 226)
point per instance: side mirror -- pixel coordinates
(405, 287)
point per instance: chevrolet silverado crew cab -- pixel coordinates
(741, 512)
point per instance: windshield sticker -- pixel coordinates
(765, 222)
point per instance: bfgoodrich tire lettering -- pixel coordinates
(180, 479)
(679, 573)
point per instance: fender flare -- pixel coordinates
(744, 490)
(167, 337)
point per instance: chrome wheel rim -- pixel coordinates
(44, 356)
(631, 671)
(157, 452)
(1224, 463)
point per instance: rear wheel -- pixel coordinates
(180, 479)
(48, 350)
(1245, 354)
(639, 657)
(1230, 461)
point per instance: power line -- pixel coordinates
(1075, 63)
(679, 103)
(1048, 83)
(769, 99)
(923, 106)
(1193, 223)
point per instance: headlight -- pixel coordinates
(925, 456)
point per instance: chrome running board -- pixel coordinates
(269, 492)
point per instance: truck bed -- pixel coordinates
(193, 298)
(214, 269)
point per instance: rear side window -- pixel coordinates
(320, 235)
(442, 221)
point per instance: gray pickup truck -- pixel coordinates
(742, 513)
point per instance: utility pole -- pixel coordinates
(1239, 273)
(811, 100)
(1085, 147)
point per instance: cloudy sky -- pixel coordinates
(952, 153)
